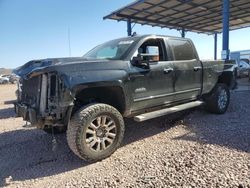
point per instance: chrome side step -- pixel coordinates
(166, 111)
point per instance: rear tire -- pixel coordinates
(219, 100)
(95, 132)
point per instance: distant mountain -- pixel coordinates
(5, 71)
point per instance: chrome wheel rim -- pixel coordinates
(222, 101)
(101, 133)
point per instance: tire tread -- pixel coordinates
(79, 120)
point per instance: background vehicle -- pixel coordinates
(13, 78)
(143, 77)
(243, 68)
(4, 80)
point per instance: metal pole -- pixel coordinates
(129, 27)
(215, 45)
(183, 33)
(225, 46)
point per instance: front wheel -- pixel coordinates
(219, 100)
(95, 132)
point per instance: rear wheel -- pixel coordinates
(219, 100)
(95, 132)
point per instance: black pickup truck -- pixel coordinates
(143, 77)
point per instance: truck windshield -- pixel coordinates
(112, 50)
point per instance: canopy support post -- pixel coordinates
(225, 46)
(215, 45)
(183, 33)
(129, 27)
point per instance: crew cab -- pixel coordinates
(140, 77)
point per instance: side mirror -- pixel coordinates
(138, 61)
(143, 59)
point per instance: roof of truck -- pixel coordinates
(155, 35)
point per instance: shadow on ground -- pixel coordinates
(231, 130)
(7, 113)
(27, 153)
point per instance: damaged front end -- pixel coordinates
(43, 99)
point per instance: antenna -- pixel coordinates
(69, 42)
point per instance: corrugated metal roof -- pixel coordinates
(202, 16)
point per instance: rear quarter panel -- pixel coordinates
(211, 72)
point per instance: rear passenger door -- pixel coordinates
(187, 70)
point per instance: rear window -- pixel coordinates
(182, 49)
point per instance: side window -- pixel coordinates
(182, 49)
(153, 43)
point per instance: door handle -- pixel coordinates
(197, 68)
(168, 70)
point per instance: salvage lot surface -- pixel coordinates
(200, 150)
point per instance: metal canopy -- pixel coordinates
(201, 16)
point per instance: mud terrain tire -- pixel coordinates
(95, 131)
(219, 100)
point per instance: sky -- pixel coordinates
(37, 29)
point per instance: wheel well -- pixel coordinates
(226, 78)
(113, 96)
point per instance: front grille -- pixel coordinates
(29, 91)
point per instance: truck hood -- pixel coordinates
(35, 67)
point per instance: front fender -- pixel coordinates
(96, 78)
(78, 81)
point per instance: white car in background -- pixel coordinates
(243, 69)
(4, 80)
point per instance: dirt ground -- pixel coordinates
(198, 150)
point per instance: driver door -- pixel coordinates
(152, 86)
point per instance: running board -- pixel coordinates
(166, 111)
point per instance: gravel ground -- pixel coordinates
(199, 150)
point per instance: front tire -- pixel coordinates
(95, 132)
(219, 100)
